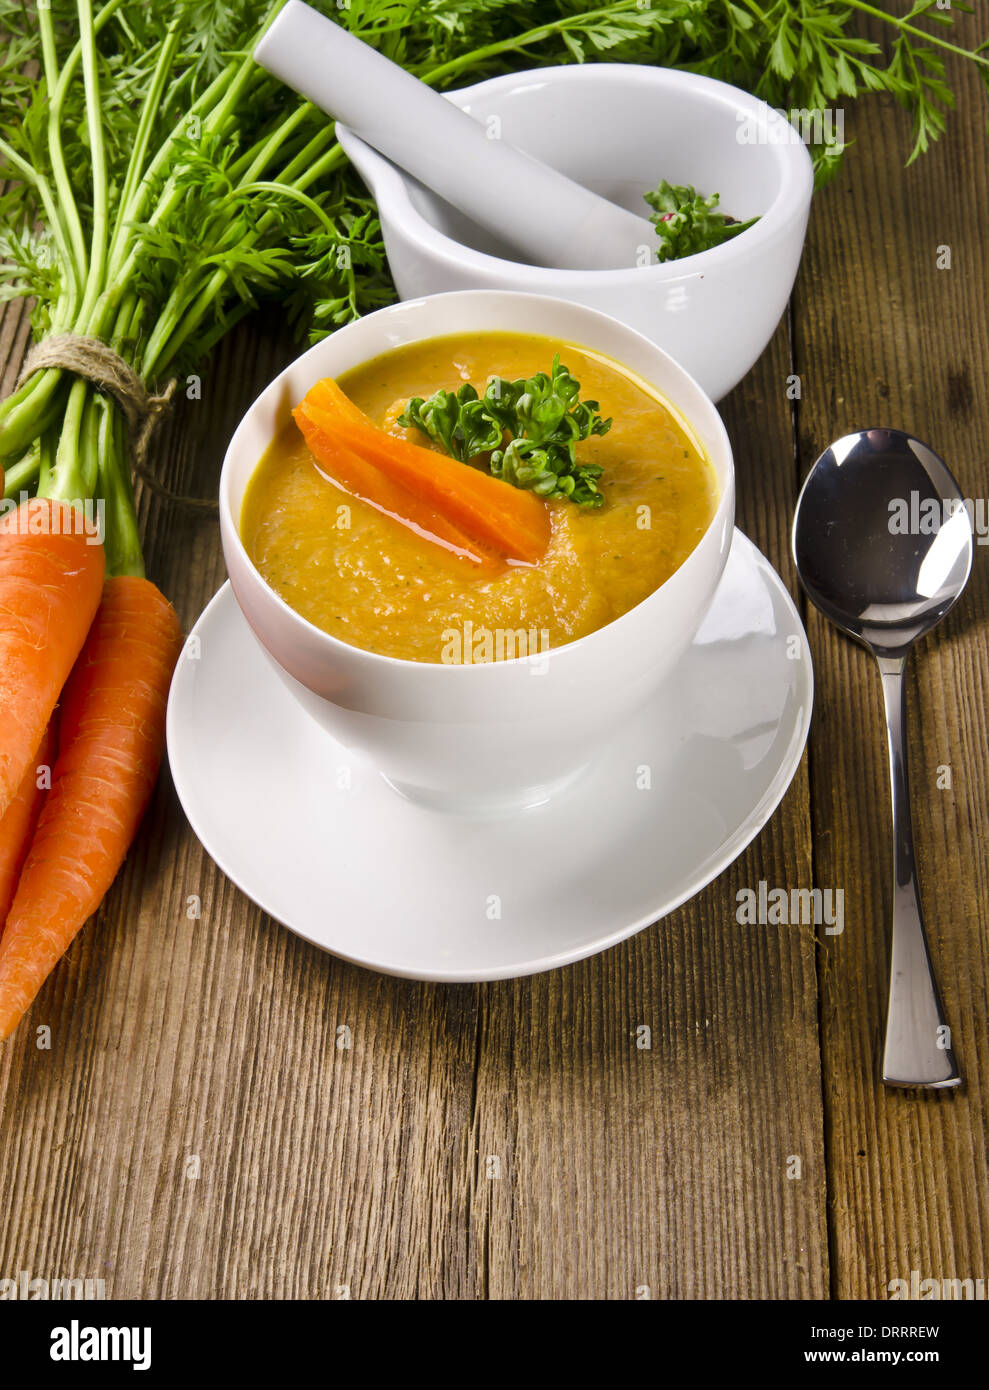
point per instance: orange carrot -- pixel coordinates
(17, 826)
(508, 519)
(51, 577)
(111, 742)
(363, 480)
(328, 394)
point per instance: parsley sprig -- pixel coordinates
(529, 428)
(687, 222)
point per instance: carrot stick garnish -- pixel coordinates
(112, 736)
(507, 519)
(361, 479)
(51, 577)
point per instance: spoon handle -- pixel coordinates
(918, 1039)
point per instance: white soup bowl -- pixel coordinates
(496, 735)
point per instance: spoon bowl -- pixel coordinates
(884, 546)
(882, 542)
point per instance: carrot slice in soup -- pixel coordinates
(360, 478)
(514, 522)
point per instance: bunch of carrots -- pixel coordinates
(85, 666)
(481, 519)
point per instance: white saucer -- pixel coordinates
(389, 885)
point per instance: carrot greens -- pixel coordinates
(158, 183)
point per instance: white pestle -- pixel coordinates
(541, 214)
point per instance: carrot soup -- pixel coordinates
(354, 568)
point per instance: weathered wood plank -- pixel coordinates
(885, 336)
(666, 1169)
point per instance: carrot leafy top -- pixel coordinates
(529, 429)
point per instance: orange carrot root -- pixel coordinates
(493, 513)
(112, 739)
(51, 578)
(18, 825)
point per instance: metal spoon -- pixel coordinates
(883, 546)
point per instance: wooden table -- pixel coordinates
(197, 1130)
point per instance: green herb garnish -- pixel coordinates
(529, 429)
(687, 222)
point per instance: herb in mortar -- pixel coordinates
(687, 222)
(529, 429)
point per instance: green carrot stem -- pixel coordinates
(294, 194)
(168, 199)
(29, 410)
(525, 40)
(56, 97)
(302, 178)
(169, 195)
(142, 138)
(928, 35)
(122, 539)
(46, 457)
(77, 260)
(68, 480)
(255, 161)
(97, 156)
(22, 475)
(237, 311)
(89, 439)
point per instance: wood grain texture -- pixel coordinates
(511, 1140)
(885, 336)
(500, 1141)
